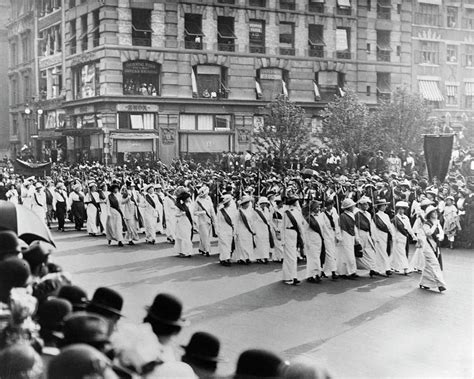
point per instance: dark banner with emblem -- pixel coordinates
(438, 151)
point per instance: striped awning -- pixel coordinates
(469, 89)
(451, 90)
(430, 90)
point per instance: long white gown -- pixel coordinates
(225, 234)
(367, 261)
(313, 246)
(432, 276)
(114, 227)
(244, 240)
(399, 260)
(289, 241)
(91, 211)
(262, 236)
(204, 222)
(382, 259)
(150, 215)
(330, 235)
(346, 263)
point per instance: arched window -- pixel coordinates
(141, 77)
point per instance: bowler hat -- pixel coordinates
(203, 347)
(75, 295)
(258, 364)
(166, 309)
(106, 302)
(37, 254)
(20, 361)
(14, 272)
(51, 313)
(83, 327)
(9, 243)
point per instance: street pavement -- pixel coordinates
(368, 328)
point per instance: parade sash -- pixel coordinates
(163, 207)
(210, 218)
(400, 227)
(363, 222)
(347, 224)
(49, 196)
(270, 235)
(63, 197)
(314, 225)
(97, 215)
(331, 220)
(114, 204)
(150, 201)
(190, 218)
(380, 224)
(247, 225)
(228, 220)
(299, 239)
(36, 200)
(436, 250)
(139, 216)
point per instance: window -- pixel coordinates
(26, 88)
(25, 47)
(14, 125)
(270, 81)
(469, 94)
(72, 37)
(287, 38)
(288, 5)
(257, 36)
(344, 8)
(328, 83)
(141, 27)
(469, 59)
(316, 41)
(83, 37)
(316, 6)
(468, 21)
(428, 14)
(193, 31)
(226, 1)
(205, 122)
(470, 102)
(384, 89)
(72, 3)
(343, 47)
(48, 6)
(211, 82)
(14, 90)
(383, 46)
(452, 94)
(384, 9)
(258, 3)
(95, 28)
(137, 121)
(86, 81)
(141, 78)
(225, 34)
(452, 17)
(429, 53)
(451, 53)
(84, 121)
(50, 41)
(13, 54)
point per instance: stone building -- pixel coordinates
(4, 98)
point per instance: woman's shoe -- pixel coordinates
(120, 244)
(424, 287)
(109, 241)
(131, 243)
(296, 282)
(372, 273)
(441, 288)
(388, 272)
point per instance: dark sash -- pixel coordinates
(264, 219)
(210, 218)
(400, 227)
(363, 222)
(331, 220)
(347, 224)
(139, 216)
(314, 226)
(247, 225)
(64, 198)
(299, 239)
(150, 201)
(379, 224)
(36, 200)
(228, 220)
(97, 215)
(115, 205)
(162, 206)
(49, 196)
(435, 248)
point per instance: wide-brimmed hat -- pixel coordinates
(39, 185)
(430, 209)
(379, 202)
(166, 309)
(226, 199)
(203, 347)
(401, 204)
(314, 205)
(91, 184)
(449, 198)
(84, 327)
(245, 199)
(106, 301)
(364, 200)
(263, 200)
(347, 203)
(405, 182)
(258, 364)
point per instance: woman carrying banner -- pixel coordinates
(115, 222)
(432, 275)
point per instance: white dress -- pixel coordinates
(184, 231)
(262, 236)
(329, 235)
(91, 211)
(289, 241)
(204, 216)
(169, 204)
(244, 237)
(382, 259)
(313, 246)
(346, 263)
(367, 261)
(114, 227)
(38, 204)
(432, 276)
(150, 215)
(399, 260)
(225, 234)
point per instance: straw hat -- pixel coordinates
(347, 203)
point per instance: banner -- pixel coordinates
(31, 169)
(438, 155)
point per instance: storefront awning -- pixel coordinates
(434, 2)
(133, 136)
(469, 89)
(344, 3)
(430, 90)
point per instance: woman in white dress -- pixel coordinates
(383, 234)
(129, 210)
(313, 242)
(346, 262)
(263, 233)
(115, 222)
(292, 239)
(403, 230)
(225, 231)
(91, 202)
(184, 225)
(149, 206)
(245, 233)
(432, 276)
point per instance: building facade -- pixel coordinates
(443, 51)
(4, 98)
(121, 79)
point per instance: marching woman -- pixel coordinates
(103, 195)
(383, 234)
(169, 208)
(292, 239)
(364, 225)
(76, 200)
(184, 225)
(93, 210)
(12, 194)
(417, 260)
(149, 204)
(432, 276)
(313, 242)
(60, 204)
(245, 234)
(130, 216)
(277, 223)
(205, 218)
(115, 222)
(225, 231)
(331, 233)
(346, 261)
(403, 230)
(38, 205)
(263, 232)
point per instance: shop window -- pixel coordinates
(451, 53)
(287, 38)
(72, 37)
(136, 121)
(384, 9)
(193, 34)
(225, 34)
(205, 122)
(141, 78)
(288, 5)
(452, 17)
(272, 82)
(343, 43)
(428, 14)
(86, 81)
(257, 36)
(141, 27)
(384, 89)
(329, 83)
(428, 53)
(211, 81)
(344, 7)
(316, 6)
(316, 41)
(383, 46)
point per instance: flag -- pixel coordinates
(194, 83)
(342, 93)
(317, 95)
(284, 89)
(258, 89)
(438, 151)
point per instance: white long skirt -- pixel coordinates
(92, 227)
(367, 261)
(432, 275)
(313, 247)
(290, 256)
(346, 263)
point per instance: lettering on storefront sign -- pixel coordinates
(52, 60)
(84, 109)
(84, 58)
(270, 74)
(141, 67)
(146, 108)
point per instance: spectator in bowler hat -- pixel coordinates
(75, 295)
(107, 303)
(202, 354)
(257, 363)
(9, 245)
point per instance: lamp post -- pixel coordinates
(31, 110)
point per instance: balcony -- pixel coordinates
(256, 49)
(287, 5)
(428, 19)
(287, 50)
(343, 54)
(316, 51)
(192, 45)
(226, 46)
